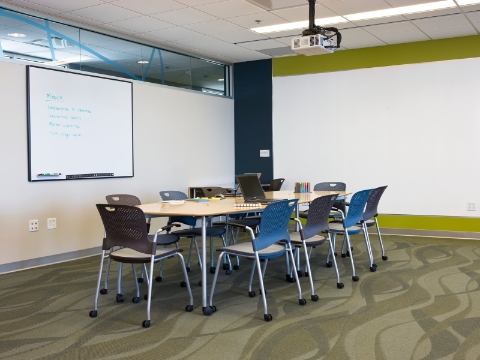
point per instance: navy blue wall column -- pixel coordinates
(252, 91)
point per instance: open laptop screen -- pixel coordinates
(251, 187)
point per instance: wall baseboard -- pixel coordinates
(427, 233)
(47, 260)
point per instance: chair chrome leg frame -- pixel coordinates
(149, 278)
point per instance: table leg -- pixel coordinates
(297, 213)
(207, 310)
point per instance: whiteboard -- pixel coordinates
(79, 126)
(412, 127)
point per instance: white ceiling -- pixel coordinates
(220, 29)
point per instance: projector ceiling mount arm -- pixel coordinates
(313, 29)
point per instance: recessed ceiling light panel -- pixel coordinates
(18, 35)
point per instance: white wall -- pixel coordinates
(415, 128)
(181, 138)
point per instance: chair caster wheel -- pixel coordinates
(384, 258)
(236, 267)
(207, 311)
(140, 280)
(374, 265)
(146, 324)
(344, 255)
(183, 284)
(348, 253)
(260, 292)
(335, 254)
(188, 269)
(103, 291)
(314, 297)
(340, 285)
(302, 301)
(267, 317)
(252, 294)
(189, 308)
(119, 298)
(226, 267)
(329, 264)
(200, 283)
(355, 278)
(93, 313)
(136, 300)
(214, 308)
(373, 269)
(145, 297)
(228, 272)
(307, 274)
(212, 270)
(300, 273)
(158, 279)
(291, 279)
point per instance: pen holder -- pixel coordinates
(302, 187)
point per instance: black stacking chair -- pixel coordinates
(276, 184)
(125, 228)
(308, 237)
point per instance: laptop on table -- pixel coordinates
(252, 190)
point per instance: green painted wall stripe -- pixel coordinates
(409, 53)
(443, 223)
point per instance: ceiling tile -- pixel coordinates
(286, 40)
(262, 44)
(79, 19)
(390, 28)
(346, 7)
(403, 37)
(65, 5)
(213, 27)
(184, 16)
(172, 34)
(470, 8)
(300, 13)
(239, 36)
(451, 31)
(398, 3)
(250, 21)
(105, 13)
(141, 24)
(378, 21)
(194, 3)
(361, 42)
(429, 14)
(354, 33)
(230, 8)
(278, 52)
(28, 5)
(442, 21)
(149, 7)
(474, 17)
(276, 4)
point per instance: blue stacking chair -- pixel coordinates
(273, 228)
(352, 225)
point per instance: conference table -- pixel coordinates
(192, 190)
(206, 210)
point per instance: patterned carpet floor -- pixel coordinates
(423, 303)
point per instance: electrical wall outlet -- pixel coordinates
(471, 206)
(33, 225)
(51, 223)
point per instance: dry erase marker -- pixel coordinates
(49, 174)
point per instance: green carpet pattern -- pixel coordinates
(423, 303)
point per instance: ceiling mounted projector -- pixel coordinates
(316, 39)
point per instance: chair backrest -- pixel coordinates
(125, 226)
(276, 184)
(330, 186)
(318, 213)
(372, 202)
(274, 224)
(177, 195)
(212, 191)
(356, 208)
(123, 199)
(173, 195)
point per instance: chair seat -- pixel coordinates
(246, 249)
(127, 255)
(239, 222)
(337, 227)
(369, 223)
(316, 240)
(211, 231)
(164, 239)
(333, 214)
